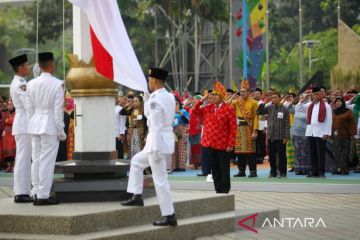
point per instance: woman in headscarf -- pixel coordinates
(181, 131)
(344, 128)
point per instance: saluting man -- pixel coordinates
(160, 112)
(22, 170)
(46, 126)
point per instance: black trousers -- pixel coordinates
(206, 160)
(317, 153)
(220, 162)
(277, 148)
(250, 159)
(120, 149)
(260, 146)
(341, 151)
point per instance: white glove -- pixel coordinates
(36, 70)
(62, 136)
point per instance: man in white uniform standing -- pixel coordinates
(160, 111)
(46, 126)
(22, 170)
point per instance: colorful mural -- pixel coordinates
(255, 40)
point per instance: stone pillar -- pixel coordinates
(95, 173)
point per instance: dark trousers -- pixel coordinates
(250, 159)
(277, 147)
(120, 149)
(220, 161)
(205, 160)
(260, 147)
(317, 153)
(341, 151)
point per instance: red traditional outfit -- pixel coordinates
(218, 134)
(195, 138)
(8, 140)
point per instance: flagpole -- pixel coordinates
(267, 46)
(244, 35)
(230, 43)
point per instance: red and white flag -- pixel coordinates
(113, 54)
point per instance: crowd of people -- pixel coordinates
(310, 133)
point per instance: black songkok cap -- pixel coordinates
(315, 89)
(46, 56)
(229, 90)
(17, 61)
(158, 73)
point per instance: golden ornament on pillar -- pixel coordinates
(84, 81)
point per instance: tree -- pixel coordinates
(12, 28)
(284, 68)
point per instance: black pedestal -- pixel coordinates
(95, 181)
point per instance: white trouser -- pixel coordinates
(22, 169)
(141, 161)
(44, 152)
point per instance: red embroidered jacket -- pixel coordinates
(219, 130)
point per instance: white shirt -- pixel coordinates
(19, 98)
(160, 111)
(45, 105)
(120, 121)
(316, 128)
(262, 123)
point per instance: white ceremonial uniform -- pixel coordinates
(22, 170)
(316, 128)
(160, 111)
(46, 126)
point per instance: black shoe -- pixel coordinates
(240, 175)
(272, 176)
(252, 175)
(300, 173)
(135, 200)
(166, 221)
(202, 175)
(292, 169)
(345, 173)
(179, 170)
(282, 176)
(312, 176)
(46, 201)
(23, 198)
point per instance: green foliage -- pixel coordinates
(284, 68)
(12, 27)
(50, 19)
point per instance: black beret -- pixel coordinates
(46, 56)
(315, 89)
(17, 61)
(158, 73)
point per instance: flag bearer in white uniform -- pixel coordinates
(159, 110)
(22, 170)
(46, 126)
